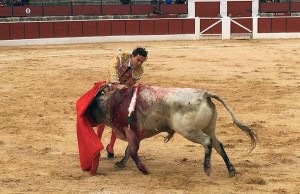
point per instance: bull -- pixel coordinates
(186, 111)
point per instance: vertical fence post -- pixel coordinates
(130, 3)
(254, 27)
(71, 4)
(223, 8)
(255, 8)
(191, 8)
(43, 11)
(101, 7)
(12, 10)
(226, 27)
(197, 28)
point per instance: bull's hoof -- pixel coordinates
(207, 168)
(143, 169)
(231, 171)
(207, 171)
(110, 155)
(120, 164)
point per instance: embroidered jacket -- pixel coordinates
(121, 71)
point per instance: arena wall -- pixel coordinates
(224, 20)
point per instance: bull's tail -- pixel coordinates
(250, 132)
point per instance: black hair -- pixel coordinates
(140, 51)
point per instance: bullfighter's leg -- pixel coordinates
(122, 163)
(134, 145)
(110, 146)
(100, 129)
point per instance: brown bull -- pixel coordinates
(189, 112)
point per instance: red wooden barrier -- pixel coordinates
(74, 10)
(116, 9)
(293, 25)
(19, 11)
(132, 27)
(104, 28)
(278, 25)
(273, 7)
(57, 11)
(75, 29)
(6, 11)
(174, 8)
(175, 27)
(207, 9)
(118, 27)
(188, 26)
(161, 27)
(246, 22)
(33, 11)
(31, 30)
(89, 28)
(46, 29)
(86, 10)
(205, 23)
(16, 31)
(141, 10)
(146, 27)
(264, 25)
(61, 29)
(4, 31)
(58, 29)
(295, 7)
(239, 9)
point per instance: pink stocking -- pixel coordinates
(112, 142)
(100, 129)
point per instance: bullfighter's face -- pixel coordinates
(137, 61)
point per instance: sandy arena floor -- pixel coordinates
(260, 80)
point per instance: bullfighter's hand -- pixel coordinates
(121, 87)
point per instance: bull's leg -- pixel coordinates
(207, 157)
(217, 145)
(206, 141)
(220, 149)
(122, 163)
(134, 145)
(170, 135)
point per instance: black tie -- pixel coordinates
(128, 68)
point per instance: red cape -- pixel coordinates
(88, 143)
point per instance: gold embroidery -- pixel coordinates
(137, 72)
(125, 57)
(118, 67)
